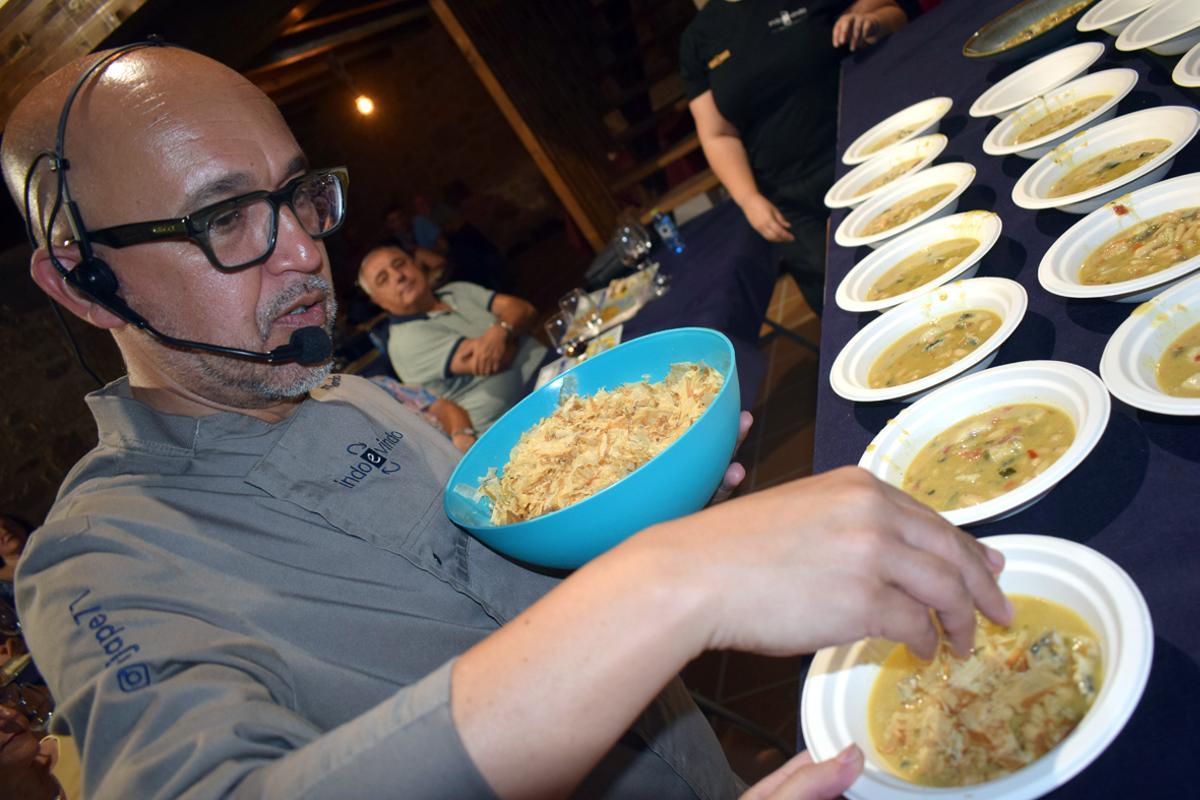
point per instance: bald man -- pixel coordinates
(249, 589)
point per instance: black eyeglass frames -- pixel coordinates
(241, 231)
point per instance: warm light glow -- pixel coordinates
(365, 105)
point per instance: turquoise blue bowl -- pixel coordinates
(676, 482)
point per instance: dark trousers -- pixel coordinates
(802, 203)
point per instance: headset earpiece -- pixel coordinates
(95, 278)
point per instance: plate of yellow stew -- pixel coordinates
(1099, 164)
(1023, 688)
(908, 123)
(929, 255)
(993, 443)
(1152, 361)
(949, 331)
(904, 204)
(1131, 248)
(1046, 121)
(1035, 78)
(865, 180)
(1025, 711)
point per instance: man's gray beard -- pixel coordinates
(250, 384)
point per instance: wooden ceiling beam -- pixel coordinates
(342, 16)
(288, 56)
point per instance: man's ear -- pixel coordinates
(53, 283)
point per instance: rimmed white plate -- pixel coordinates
(1000, 140)
(1131, 356)
(848, 191)
(1112, 15)
(959, 173)
(1001, 296)
(1168, 28)
(1075, 390)
(985, 226)
(1058, 272)
(1178, 124)
(919, 118)
(833, 705)
(1187, 71)
(1035, 78)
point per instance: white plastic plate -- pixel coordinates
(1131, 355)
(1069, 387)
(1058, 272)
(1003, 297)
(847, 192)
(959, 173)
(1175, 123)
(1187, 71)
(1168, 28)
(1117, 82)
(833, 706)
(985, 226)
(1035, 78)
(1112, 15)
(923, 118)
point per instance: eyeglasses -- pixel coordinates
(241, 231)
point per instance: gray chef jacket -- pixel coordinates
(225, 607)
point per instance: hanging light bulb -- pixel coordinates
(365, 105)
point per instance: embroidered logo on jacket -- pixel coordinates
(108, 638)
(372, 459)
(787, 19)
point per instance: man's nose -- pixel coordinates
(295, 249)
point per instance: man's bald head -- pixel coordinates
(116, 124)
(159, 134)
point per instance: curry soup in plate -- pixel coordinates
(1143, 249)
(890, 175)
(1060, 118)
(1178, 370)
(921, 267)
(932, 347)
(987, 455)
(1044, 24)
(1108, 166)
(909, 208)
(891, 138)
(1021, 691)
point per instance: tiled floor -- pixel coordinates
(766, 691)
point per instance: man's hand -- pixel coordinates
(768, 220)
(489, 351)
(801, 779)
(828, 560)
(857, 29)
(735, 473)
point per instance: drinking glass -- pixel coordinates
(632, 243)
(562, 337)
(582, 312)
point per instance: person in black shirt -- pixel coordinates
(762, 80)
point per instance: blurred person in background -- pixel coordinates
(463, 342)
(761, 77)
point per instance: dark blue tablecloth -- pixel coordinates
(1135, 497)
(723, 280)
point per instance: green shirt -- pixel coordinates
(421, 347)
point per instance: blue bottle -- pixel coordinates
(665, 227)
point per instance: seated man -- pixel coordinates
(462, 342)
(248, 588)
(445, 415)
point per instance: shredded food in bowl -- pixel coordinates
(590, 443)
